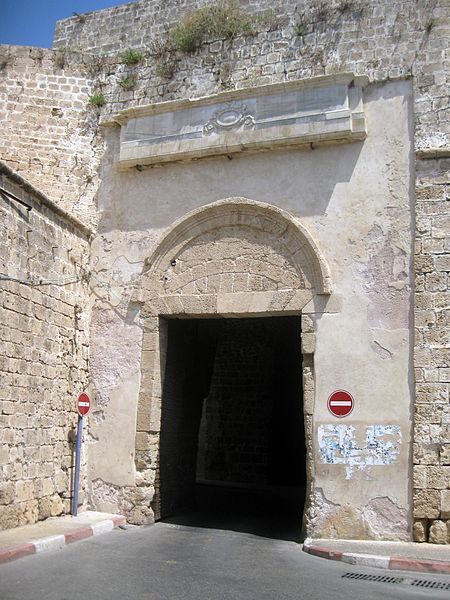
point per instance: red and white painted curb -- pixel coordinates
(397, 563)
(55, 542)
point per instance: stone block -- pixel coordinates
(141, 460)
(442, 262)
(423, 264)
(56, 506)
(438, 477)
(142, 441)
(143, 418)
(7, 492)
(445, 503)
(28, 512)
(308, 342)
(430, 375)
(9, 517)
(438, 533)
(4, 455)
(308, 402)
(44, 508)
(444, 454)
(428, 413)
(61, 482)
(24, 491)
(419, 477)
(141, 515)
(430, 393)
(47, 452)
(48, 487)
(427, 504)
(307, 324)
(444, 375)
(420, 530)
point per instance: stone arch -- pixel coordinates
(211, 258)
(233, 257)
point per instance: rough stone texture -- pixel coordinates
(438, 533)
(432, 356)
(44, 322)
(383, 39)
(48, 132)
(420, 530)
(427, 503)
(445, 502)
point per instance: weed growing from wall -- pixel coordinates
(165, 69)
(128, 83)
(300, 26)
(223, 20)
(97, 99)
(132, 57)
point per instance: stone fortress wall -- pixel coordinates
(296, 40)
(44, 337)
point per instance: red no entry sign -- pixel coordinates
(83, 404)
(340, 403)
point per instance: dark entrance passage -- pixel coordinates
(232, 448)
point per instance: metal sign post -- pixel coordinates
(83, 407)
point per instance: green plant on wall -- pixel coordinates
(300, 26)
(270, 20)
(132, 57)
(224, 19)
(165, 69)
(128, 83)
(96, 99)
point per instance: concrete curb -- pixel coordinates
(380, 562)
(54, 542)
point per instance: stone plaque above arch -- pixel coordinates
(235, 256)
(320, 110)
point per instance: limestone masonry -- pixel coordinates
(214, 215)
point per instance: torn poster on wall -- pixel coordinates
(338, 446)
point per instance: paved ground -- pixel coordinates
(55, 533)
(167, 561)
(434, 552)
(51, 527)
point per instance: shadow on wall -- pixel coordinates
(298, 180)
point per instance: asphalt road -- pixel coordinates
(167, 561)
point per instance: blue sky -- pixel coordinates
(32, 22)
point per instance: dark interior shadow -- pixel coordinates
(232, 452)
(274, 512)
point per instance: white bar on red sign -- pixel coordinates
(83, 403)
(340, 403)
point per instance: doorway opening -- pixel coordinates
(232, 441)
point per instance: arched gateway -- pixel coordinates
(214, 271)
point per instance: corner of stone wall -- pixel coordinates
(431, 459)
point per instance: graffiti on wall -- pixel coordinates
(338, 446)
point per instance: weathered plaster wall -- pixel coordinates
(356, 201)
(44, 327)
